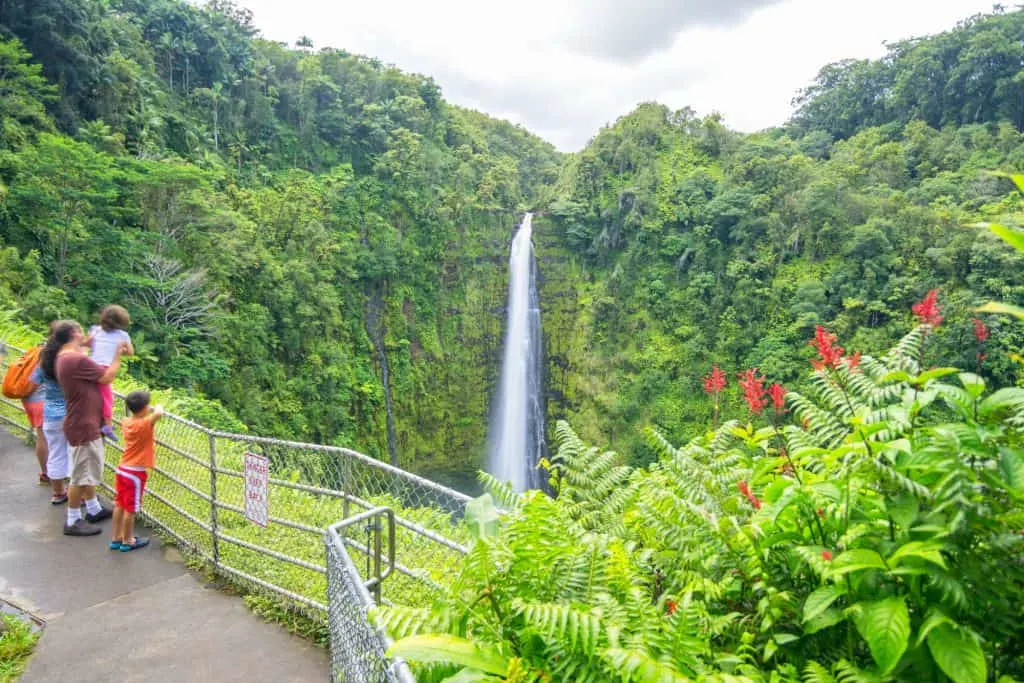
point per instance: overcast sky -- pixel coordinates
(564, 68)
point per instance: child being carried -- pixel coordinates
(104, 340)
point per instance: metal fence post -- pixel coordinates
(346, 483)
(213, 501)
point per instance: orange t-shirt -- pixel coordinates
(138, 442)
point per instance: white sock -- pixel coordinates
(74, 514)
(93, 506)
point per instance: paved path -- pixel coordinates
(139, 616)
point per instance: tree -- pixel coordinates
(24, 94)
(60, 194)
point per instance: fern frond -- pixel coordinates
(816, 673)
(633, 665)
(502, 492)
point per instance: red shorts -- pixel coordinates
(34, 412)
(129, 483)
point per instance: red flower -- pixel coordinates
(777, 393)
(748, 494)
(826, 555)
(852, 361)
(715, 382)
(753, 390)
(928, 310)
(980, 331)
(821, 513)
(830, 354)
(671, 605)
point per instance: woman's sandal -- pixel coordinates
(140, 542)
(59, 500)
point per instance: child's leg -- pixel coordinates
(117, 527)
(107, 392)
(128, 531)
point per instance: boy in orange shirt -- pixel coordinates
(131, 473)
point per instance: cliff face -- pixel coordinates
(445, 354)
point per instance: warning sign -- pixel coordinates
(257, 479)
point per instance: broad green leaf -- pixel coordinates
(885, 625)
(470, 676)
(935, 618)
(996, 307)
(896, 376)
(855, 560)
(903, 509)
(821, 599)
(450, 649)
(974, 385)
(1011, 467)
(933, 374)
(1007, 398)
(1015, 238)
(958, 654)
(925, 550)
(826, 619)
(482, 517)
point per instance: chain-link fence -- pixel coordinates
(357, 648)
(197, 495)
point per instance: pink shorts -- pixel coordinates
(107, 392)
(34, 412)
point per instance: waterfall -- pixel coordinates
(517, 417)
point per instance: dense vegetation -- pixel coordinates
(315, 239)
(867, 530)
(692, 245)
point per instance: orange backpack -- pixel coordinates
(16, 380)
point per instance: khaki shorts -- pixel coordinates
(87, 463)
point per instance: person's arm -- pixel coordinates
(111, 372)
(156, 414)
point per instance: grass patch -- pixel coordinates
(17, 641)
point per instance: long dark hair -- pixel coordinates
(62, 332)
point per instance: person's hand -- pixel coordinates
(123, 348)
(158, 410)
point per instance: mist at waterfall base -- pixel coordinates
(516, 434)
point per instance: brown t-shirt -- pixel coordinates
(77, 375)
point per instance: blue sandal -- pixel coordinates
(140, 542)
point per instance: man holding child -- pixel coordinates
(80, 377)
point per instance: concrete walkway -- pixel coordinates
(139, 616)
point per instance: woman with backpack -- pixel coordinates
(18, 384)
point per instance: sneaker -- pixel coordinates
(43, 479)
(140, 542)
(108, 432)
(59, 500)
(103, 514)
(80, 528)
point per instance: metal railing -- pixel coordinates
(196, 494)
(357, 648)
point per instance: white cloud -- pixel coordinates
(563, 69)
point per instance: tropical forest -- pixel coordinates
(778, 399)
